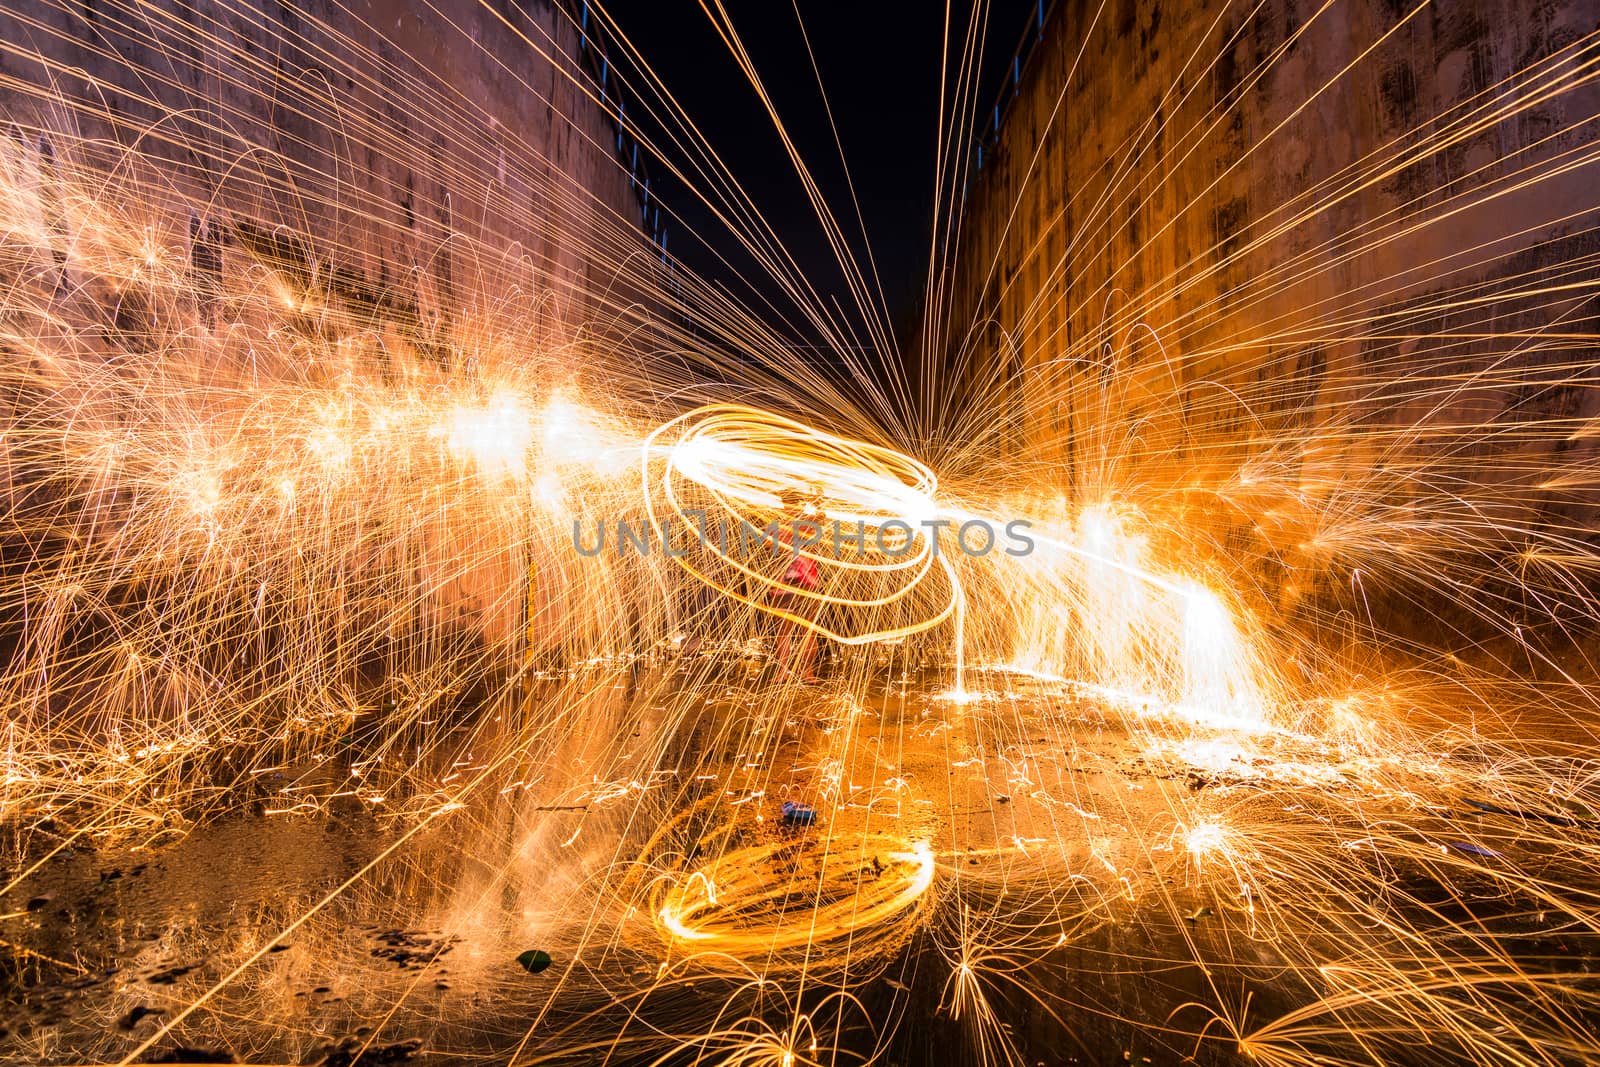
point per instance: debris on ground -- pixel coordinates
(795, 814)
(534, 960)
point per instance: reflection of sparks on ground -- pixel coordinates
(736, 905)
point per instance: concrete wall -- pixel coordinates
(1220, 244)
(211, 206)
(392, 147)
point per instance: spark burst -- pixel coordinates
(277, 544)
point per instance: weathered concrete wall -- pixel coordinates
(395, 149)
(1221, 245)
(430, 200)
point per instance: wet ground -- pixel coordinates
(1039, 875)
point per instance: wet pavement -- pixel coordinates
(1039, 875)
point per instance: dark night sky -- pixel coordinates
(880, 65)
